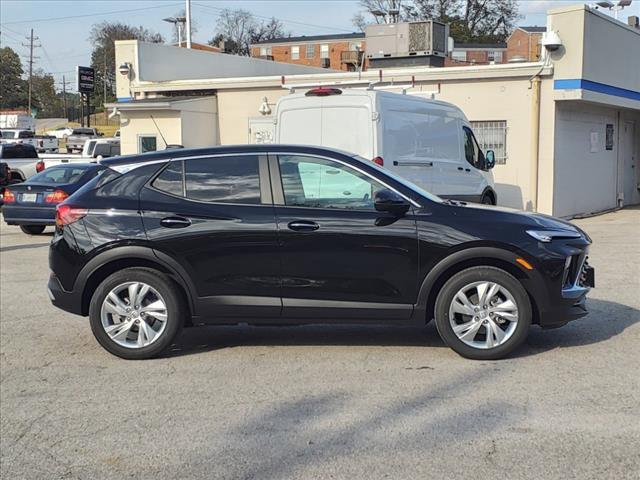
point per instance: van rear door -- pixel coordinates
(344, 122)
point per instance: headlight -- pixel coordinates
(547, 236)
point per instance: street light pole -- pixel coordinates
(187, 12)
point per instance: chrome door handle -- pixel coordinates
(175, 222)
(303, 226)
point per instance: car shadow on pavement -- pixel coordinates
(605, 320)
(203, 339)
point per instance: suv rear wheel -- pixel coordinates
(483, 313)
(136, 313)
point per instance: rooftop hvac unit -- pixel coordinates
(427, 38)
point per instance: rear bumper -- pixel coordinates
(67, 301)
(20, 215)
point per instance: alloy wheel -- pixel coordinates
(483, 314)
(134, 315)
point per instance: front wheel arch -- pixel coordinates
(475, 257)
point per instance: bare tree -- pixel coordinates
(238, 29)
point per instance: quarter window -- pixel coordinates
(233, 179)
(472, 151)
(321, 183)
(171, 179)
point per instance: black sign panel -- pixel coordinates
(86, 77)
(609, 137)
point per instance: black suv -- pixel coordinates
(276, 234)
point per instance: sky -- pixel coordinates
(63, 26)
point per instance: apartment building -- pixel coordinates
(524, 44)
(476, 54)
(337, 52)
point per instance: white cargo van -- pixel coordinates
(428, 142)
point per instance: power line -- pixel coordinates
(53, 19)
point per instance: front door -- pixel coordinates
(340, 257)
(215, 217)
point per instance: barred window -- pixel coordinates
(492, 135)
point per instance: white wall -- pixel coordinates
(585, 174)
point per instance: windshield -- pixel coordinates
(403, 181)
(60, 175)
(7, 134)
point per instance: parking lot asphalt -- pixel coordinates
(322, 402)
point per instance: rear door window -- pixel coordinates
(224, 179)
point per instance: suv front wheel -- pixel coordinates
(483, 313)
(136, 313)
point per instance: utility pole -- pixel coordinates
(104, 84)
(64, 96)
(31, 46)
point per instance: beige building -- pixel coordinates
(566, 130)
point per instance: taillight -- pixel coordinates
(378, 161)
(39, 166)
(8, 196)
(57, 196)
(68, 214)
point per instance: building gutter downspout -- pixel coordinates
(535, 141)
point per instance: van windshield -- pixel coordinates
(403, 181)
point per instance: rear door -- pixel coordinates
(215, 217)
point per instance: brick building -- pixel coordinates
(524, 44)
(476, 54)
(338, 52)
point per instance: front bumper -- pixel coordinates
(573, 302)
(67, 301)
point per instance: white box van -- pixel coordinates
(428, 142)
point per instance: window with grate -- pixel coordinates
(492, 135)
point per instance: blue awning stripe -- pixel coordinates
(580, 83)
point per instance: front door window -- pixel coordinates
(321, 183)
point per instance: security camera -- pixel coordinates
(551, 41)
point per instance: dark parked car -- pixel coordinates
(276, 234)
(32, 204)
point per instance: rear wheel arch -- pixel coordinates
(103, 267)
(461, 260)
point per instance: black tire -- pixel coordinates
(467, 277)
(487, 199)
(175, 306)
(32, 229)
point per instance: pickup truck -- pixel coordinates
(22, 160)
(75, 141)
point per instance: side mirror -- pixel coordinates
(490, 159)
(386, 200)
